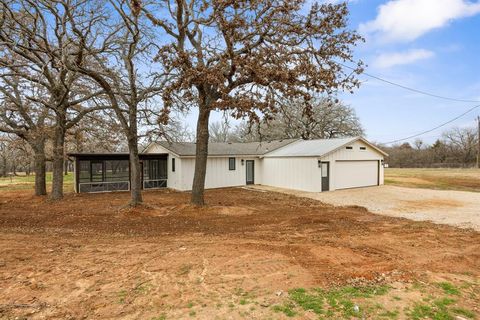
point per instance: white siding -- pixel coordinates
(292, 173)
(218, 175)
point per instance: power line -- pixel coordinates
(435, 128)
(410, 88)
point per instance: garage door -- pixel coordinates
(354, 174)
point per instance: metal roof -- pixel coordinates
(316, 148)
(225, 148)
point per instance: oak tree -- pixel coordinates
(239, 56)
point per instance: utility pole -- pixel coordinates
(478, 143)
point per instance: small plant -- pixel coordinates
(287, 309)
(449, 288)
(192, 313)
(122, 296)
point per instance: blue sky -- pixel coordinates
(430, 45)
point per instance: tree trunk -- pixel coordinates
(58, 159)
(40, 171)
(65, 166)
(201, 154)
(135, 173)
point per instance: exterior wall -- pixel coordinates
(218, 175)
(354, 154)
(174, 179)
(300, 173)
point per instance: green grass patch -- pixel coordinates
(287, 309)
(449, 288)
(333, 303)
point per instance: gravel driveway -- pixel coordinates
(456, 208)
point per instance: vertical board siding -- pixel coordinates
(218, 175)
(293, 173)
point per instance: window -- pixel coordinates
(173, 164)
(363, 148)
(231, 163)
(349, 148)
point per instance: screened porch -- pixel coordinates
(111, 172)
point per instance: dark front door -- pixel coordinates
(250, 168)
(325, 166)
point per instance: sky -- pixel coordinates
(428, 45)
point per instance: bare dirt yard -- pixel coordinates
(456, 208)
(247, 255)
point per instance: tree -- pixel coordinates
(22, 116)
(36, 47)
(462, 143)
(327, 118)
(118, 61)
(240, 56)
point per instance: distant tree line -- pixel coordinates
(456, 148)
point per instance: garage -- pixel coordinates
(355, 174)
(324, 165)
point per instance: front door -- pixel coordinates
(325, 176)
(250, 171)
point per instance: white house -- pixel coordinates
(308, 165)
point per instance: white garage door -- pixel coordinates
(354, 174)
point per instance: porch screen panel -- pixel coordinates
(84, 171)
(116, 170)
(154, 173)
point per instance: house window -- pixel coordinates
(231, 163)
(349, 148)
(173, 164)
(363, 148)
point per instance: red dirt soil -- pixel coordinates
(86, 257)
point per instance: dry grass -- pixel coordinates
(442, 179)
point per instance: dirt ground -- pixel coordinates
(86, 257)
(456, 208)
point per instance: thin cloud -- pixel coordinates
(388, 60)
(407, 20)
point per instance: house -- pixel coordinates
(307, 165)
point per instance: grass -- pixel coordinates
(438, 302)
(449, 288)
(335, 303)
(24, 182)
(442, 179)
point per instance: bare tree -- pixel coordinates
(36, 46)
(220, 131)
(326, 118)
(117, 54)
(462, 143)
(27, 120)
(238, 56)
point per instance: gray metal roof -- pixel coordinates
(315, 148)
(224, 148)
